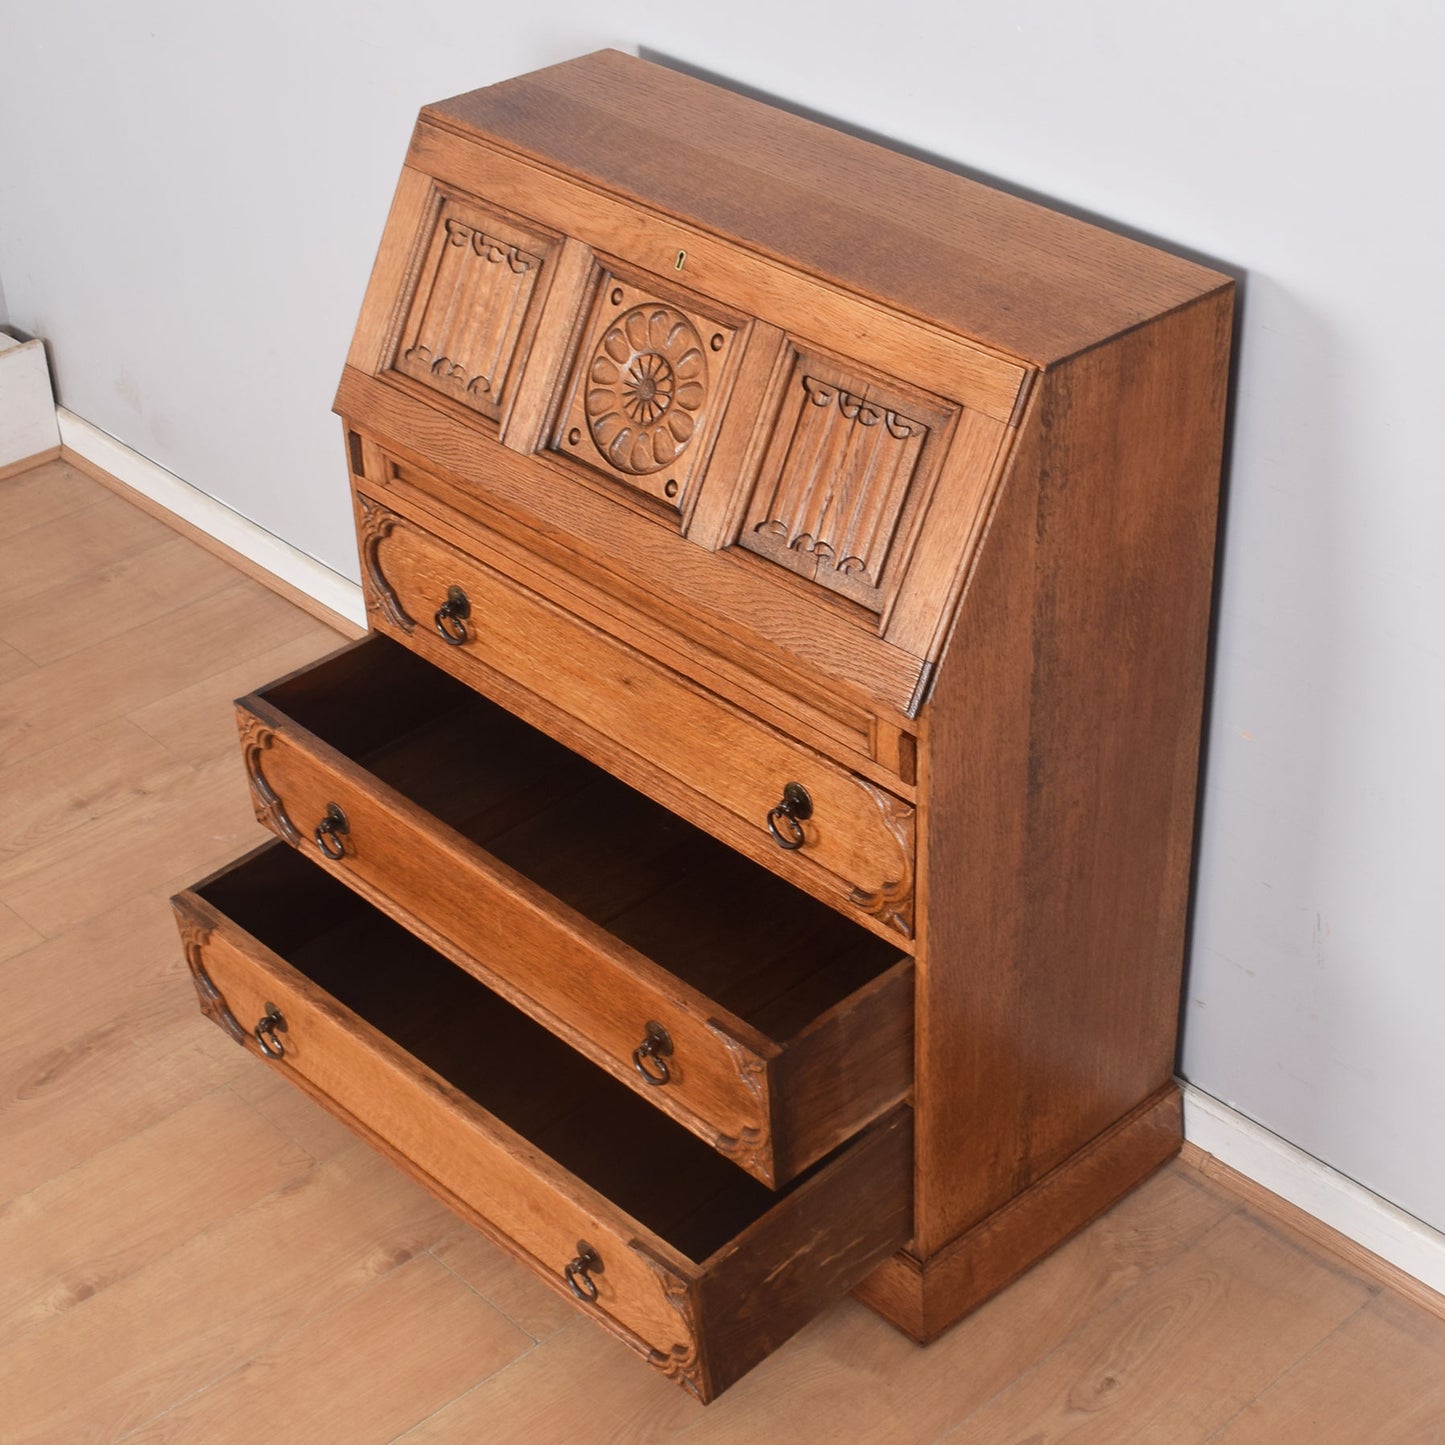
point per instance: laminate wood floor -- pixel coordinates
(190, 1252)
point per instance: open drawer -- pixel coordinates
(850, 842)
(699, 1267)
(771, 1026)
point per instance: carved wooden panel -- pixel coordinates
(844, 478)
(471, 305)
(648, 386)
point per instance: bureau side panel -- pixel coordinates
(1058, 768)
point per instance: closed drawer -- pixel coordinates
(851, 844)
(699, 1267)
(778, 1027)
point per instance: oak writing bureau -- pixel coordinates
(747, 859)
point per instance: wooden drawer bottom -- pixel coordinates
(697, 1265)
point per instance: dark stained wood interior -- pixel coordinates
(591, 1125)
(768, 953)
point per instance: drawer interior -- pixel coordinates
(600, 1131)
(765, 951)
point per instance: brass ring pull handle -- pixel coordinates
(795, 807)
(329, 832)
(649, 1058)
(271, 1024)
(578, 1272)
(451, 617)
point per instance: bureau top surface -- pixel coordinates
(1010, 274)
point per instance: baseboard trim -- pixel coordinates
(13, 469)
(257, 552)
(1368, 1232)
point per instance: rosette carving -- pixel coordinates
(646, 383)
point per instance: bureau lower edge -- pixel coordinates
(695, 1265)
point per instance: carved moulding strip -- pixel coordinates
(374, 525)
(892, 903)
(742, 1148)
(256, 737)
(194, 936)
(683, 1362)
(467, 306)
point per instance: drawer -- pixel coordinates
(697, 1266)
(778, 1027)
(845, 840)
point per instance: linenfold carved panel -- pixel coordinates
(470, 304)
(844, 478)
(648, 386)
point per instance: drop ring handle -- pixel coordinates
(266, 1030)
(578, 1272)
(329, 832)
(649, 1058)
(785, 822)
(451, 617)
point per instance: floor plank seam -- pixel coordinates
(482, 1380)
(1294, 1365)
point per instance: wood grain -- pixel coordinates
(64, 552)
(44, 494)
(84, 1231)
(1241, 1297)
(1056, 863)
(60, 618)
(237, 560)
(1027, 280)
(366, 1370)
(100, 1046)
(1375, 1381)
(212, 1303)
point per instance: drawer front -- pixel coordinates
(772, 1107)
(703, 1321)
(826, 829)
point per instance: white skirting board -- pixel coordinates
(1373, 1223)
(27, 408)
(1278, 1166)
(214, 518)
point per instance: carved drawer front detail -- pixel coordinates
(844, 478)
(471, 305)
(647, 389)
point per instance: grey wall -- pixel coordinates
(189, 200)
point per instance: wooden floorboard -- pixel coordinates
(190, 1251)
